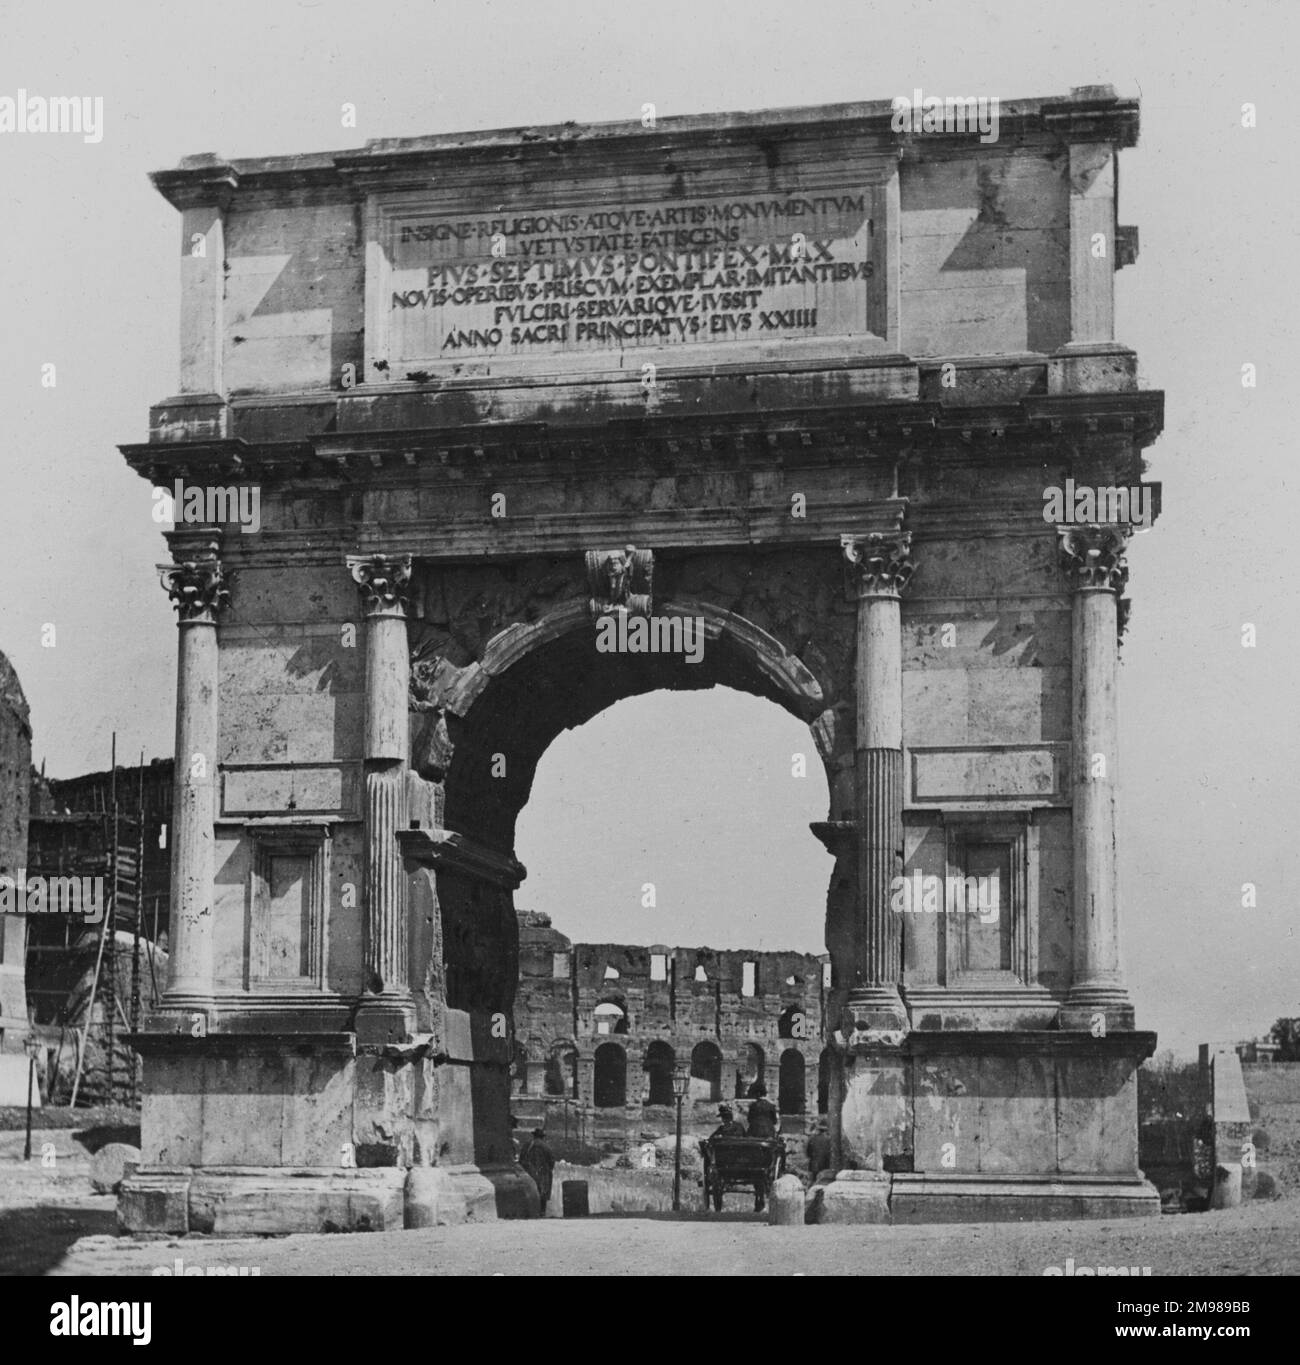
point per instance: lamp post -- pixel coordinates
(681, 1084)
(33, 1045)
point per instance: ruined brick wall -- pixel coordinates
(734, 1017)
(15, 777)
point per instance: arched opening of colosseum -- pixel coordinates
(610, 1076)
(790, 1097)
(562, 1071)
(660, 1058)
(749, 1072)
(706, 1071)
(610, 1017)
(824, 1065)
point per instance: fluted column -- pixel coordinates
(881, 570)
(388, 1008)
(1094, 558)
(198, 591)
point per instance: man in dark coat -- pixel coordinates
(763, 1119)
(536, 1159)
(818, 1149)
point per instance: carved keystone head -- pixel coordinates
(620, 580)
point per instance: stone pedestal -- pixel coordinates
(994, 1125)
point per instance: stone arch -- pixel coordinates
(610, 1089)
(500, 715)
(610, 1015)
(825, 1070)
(490, 700)
(749, 1069)
(790, 1097)
(660, 1058)
(706, 1071)
(562, 1070)
(790, 1020)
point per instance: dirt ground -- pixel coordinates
(51, 1222)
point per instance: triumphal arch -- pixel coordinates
(808, 405)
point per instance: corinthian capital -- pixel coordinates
(1093, 556)
(385, 582)
(881, 563)
(197, 586)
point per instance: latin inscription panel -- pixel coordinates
(596, 280)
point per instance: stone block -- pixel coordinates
(1017, 1118)
(171, 1113)
(1002, 1199)
(855, 1197)
(444, 1196)
(875, 1120)
(154, 1201)
(1096, 1115)
(241, 1203)
(786, 1207)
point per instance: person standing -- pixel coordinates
(539, 1162)
(818, 1150)
(763, 1124)
(763, 1120)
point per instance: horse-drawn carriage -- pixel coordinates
(741, 1163)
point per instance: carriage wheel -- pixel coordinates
(717, 1195)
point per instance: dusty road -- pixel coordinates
(52, 1222)
(1263, 1240)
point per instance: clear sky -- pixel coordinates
(1208, 781)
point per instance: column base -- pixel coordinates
(387, 1018)
(875, 1016)
(183, 1001)
(1090, 999)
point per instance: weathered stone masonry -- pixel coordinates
(599, 1028)
(803, 378)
